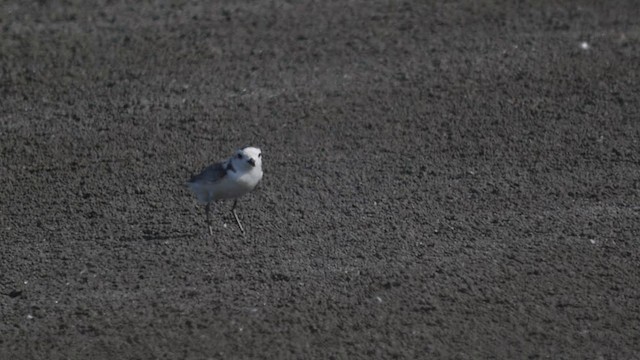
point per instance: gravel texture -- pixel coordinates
(453, 179)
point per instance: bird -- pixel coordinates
(227, 180)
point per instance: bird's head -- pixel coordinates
(247, 158)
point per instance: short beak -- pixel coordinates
(252, 162)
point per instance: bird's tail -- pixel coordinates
(201, 193)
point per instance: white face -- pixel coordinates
(248, 158)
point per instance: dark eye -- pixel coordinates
(239, 156)
(260, 155)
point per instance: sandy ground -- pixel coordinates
(448, 180)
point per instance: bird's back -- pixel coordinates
(203, 183)
(210, 174)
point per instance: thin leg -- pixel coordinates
(233, 210)
(207, 210)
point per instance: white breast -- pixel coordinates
(236, 184)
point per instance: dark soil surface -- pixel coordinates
(445, 180)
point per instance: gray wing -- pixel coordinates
(211, 173)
